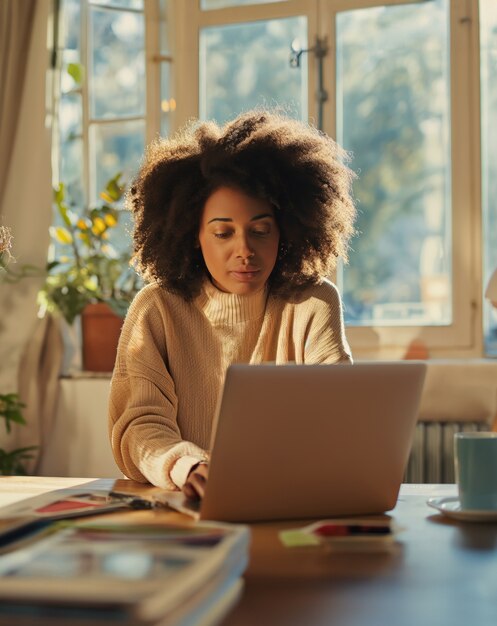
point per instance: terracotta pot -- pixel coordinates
(101, 329)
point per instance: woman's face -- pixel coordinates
(239, 240)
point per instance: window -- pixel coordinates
(401, 79)
(112, 58)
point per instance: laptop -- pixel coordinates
(310, 441)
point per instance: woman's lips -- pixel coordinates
(245, 275)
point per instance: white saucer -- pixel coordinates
(451, 507)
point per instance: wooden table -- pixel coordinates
(442, 572)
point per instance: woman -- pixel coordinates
(235, 229)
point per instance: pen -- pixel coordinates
(343, 530)
(135, 502)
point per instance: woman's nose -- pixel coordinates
(244, 250)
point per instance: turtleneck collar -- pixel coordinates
(223, 308)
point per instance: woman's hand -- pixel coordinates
(194, 488)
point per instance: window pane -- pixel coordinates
(70, 20)
(70, 117)
(168, 103)
(245, 65)
(71, 146)
(68, 137)
(117, 80)
(167, 100)
(115, 148)
(393, 114)
(488, 56)
(219, 4)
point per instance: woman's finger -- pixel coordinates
(197, 481)
(189, 491)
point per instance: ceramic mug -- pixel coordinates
(475, 455)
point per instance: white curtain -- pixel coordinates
(25, 170)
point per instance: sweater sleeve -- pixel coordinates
(325, 340)
(145, 437)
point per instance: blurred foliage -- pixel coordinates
(89, 269)
(12, 463)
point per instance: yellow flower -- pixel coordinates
(61, 234)
(110, 220)
(99, 226)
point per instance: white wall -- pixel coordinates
(79, 444)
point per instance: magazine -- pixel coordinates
(134, 573)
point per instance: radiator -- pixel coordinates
(432, 453)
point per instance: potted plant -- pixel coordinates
(89, 277)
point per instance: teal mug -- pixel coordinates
(475, 455)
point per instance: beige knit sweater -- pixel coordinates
(173, 356)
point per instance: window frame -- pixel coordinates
(465, 336)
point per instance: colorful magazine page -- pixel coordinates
(64, 503)
(23, 520)
(78, 504)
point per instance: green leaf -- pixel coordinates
(62, 208)
(10, 409)
(52, 265)
(13, 416)
(77, 72)
(12, 463)
(113, 189)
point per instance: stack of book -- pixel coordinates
(127, 570)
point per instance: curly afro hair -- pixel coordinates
(299, 170)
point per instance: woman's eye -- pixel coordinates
(261, 233)
(222, 235)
